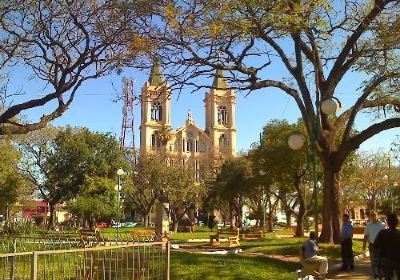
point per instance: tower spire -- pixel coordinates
(156, 78)
(219, 80)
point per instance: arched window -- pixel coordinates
(222, 115)
(189, 145)
(156, 111)
(153, 141)
(223, 141)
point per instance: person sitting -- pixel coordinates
(310, 250)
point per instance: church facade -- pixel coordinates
(189, 145)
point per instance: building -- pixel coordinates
(188, 145)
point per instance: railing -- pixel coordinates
(131, 261)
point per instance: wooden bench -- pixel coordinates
(89, 237)
(146, 235)
(232, 234)
(252, 233)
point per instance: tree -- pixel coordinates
(366, 184)
(285, 169)
(182, 192)
(232, 185)
(144, 184)
(63, 44)
(315, 45)
(12, 185)
(96, 201)
(63, 164)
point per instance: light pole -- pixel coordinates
(120, 172)
(296, 142)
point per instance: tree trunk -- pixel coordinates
(300, 221)
(146, 220)
(288, 214)
(332, 206)
(50, 225)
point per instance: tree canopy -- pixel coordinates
(313, 46)
(60, 44)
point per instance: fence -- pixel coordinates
(134, 261)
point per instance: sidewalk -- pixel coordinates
(362, 271)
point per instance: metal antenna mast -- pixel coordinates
(127, 140)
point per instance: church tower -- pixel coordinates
(155, 109)
(220, 105)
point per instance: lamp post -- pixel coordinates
(296, 142)
(391, 188)
(120, 172)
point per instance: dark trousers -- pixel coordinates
(389, 267)
(347, 253)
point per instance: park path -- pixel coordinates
(362, 271)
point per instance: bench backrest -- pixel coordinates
(229, 231)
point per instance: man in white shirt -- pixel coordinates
(371, 232)
(309, 251)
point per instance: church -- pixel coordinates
(188, 145)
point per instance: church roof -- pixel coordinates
(156, 77)
(219, 80)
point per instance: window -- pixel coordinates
(189, 145)
(183, 145)
(156, 111)
(153, 141)
(197, 169)
(223, 141)
(222, 115)
(196, 145)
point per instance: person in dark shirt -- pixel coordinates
(387, 246)
(346, 244)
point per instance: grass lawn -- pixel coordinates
(186, 266)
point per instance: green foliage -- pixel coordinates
(22, 227)
(38, 220)
(12, 185)
(97, 200)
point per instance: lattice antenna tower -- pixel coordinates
(127, 140)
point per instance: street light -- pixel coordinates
(120, 172)
(297, 141)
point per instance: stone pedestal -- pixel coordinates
(162, 219)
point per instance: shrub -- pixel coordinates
(24, 226)
(38, 220)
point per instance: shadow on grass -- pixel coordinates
(187, 266)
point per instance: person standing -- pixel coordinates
(387, 248)
(371, 232)
(309, 251)
(346, 244)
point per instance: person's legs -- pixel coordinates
(387, 268)
(376, 270)
(322, 261)
(347, 254)
(343, 255)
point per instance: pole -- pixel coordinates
(118, 217)
(315, 194)
(390, 186)
(263, 208)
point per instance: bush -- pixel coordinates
(38, 220)
(24, 226)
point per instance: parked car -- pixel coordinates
(102, 225)
(116, 225)
(129, 224)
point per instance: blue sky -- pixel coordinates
(94, 108)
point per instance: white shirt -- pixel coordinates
(372, 229)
